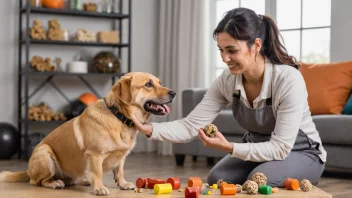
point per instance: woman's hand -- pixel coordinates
(146, 128)
(217, 142)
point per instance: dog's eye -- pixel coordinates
(149, 84)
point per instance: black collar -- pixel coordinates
(114, 110)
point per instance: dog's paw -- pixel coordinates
(56, 184)
(127, 186)
(102, 191)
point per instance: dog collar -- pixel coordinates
(114, 110)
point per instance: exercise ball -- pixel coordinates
(77, 106)
(10, 140)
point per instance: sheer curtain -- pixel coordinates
(181, 57)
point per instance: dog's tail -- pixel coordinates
(7, 176)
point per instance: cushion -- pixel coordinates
(348, 107)
(328, 85)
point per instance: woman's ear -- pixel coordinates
(257, 45)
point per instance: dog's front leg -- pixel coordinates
(95, 171)
(120, 177)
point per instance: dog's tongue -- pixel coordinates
(166, 109)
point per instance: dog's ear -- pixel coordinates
(122, 89)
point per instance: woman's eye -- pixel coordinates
(232, 51)
(148, 84)
(220, 50)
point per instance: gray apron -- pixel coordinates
(260, 123)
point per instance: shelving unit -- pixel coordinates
(25, 73)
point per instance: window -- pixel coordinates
(304, 28)
(222, 6)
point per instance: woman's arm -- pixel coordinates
(184, 130)
(292, 96)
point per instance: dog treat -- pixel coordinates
(85, 35)
(181, 190)
(55, 32)
(43, 113)
(90, 7)
(259, 178)
(109, 37)
(228, 189)
(210, 130)
(37, 31)
(175, 182)
(275, 190)
(252, 187)
(238, 188)
(40, 64)
(305, 185)
(265, 189)
(291, 184)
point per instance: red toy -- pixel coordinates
(175, 182)
(192, 192)
(152, 182)
(141, 182)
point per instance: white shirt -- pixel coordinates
(290, 107)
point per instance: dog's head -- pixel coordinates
(144, 91)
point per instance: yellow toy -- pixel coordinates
(162, 188)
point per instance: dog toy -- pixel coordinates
(192, 192)
(210, 130)
(305, 185)
(228, 189)
(162, 188)
(264, 189)
(244, 186)
(141, 182)
(151, 182)
(252, 187)
(238, 188)
(291, 184)
(194, 181)
(214, 186)
(175, 182)
(259, 178)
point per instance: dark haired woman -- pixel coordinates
(269, 99)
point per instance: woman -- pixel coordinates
(269, 99)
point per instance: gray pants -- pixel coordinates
(298, 165)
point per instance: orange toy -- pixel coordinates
(194, 181)
(291, 184)
(57, 4)
(192, 192)
(141, 182)
(152, 182)
(228, 189)
(87, 98)
(162, 188)
(175, 182)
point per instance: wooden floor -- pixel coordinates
(151, 165)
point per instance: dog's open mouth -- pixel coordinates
(156, 109)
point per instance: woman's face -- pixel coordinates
(235, 53)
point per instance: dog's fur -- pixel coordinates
(81, 149)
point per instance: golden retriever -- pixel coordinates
(81, 149)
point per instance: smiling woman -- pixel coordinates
(269, 99)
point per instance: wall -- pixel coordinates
(143, 55)
(341, 30)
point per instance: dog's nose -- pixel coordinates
(172, 93)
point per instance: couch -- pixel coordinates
(335, 131)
